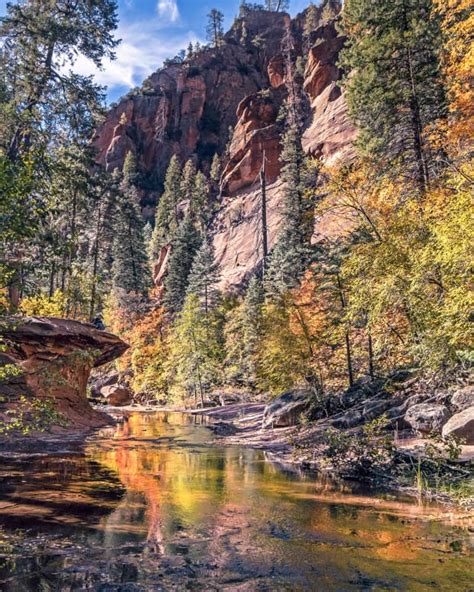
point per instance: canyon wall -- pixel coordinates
(226, 100)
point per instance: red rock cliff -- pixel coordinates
(187, 109)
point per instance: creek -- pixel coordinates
(151, 504)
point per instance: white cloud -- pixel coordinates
(144, 47)
(168, 9)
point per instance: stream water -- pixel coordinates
(151, 505)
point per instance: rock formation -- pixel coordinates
(54, 358)
(226, 101)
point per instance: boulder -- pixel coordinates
(107, 380)
(461, 425)
(54, 358)
(463, 398)
(117, 395)
(286, 409)
(427, 417)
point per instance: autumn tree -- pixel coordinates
(457, 26)
(194, 363)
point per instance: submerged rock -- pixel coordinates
(461, 425)
(286, 409)
(53, 359)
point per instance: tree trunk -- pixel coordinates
(263, 188)
(95, 267)
(371, 356)
(350, 372)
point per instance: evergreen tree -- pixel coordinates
(215, 169)
(392, 79)
(215, 30)
(45, 106)
(252, 312)
(290, 256)
(184, 247)
(188, 180)
(195, 191)
(199, 201)
(277, 5)
(38, 40)
(167, 214)
(130, 269)
(204, 276)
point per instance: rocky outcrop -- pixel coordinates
(286, 409)
(461, 425)
(188, 108)
(256, 135)
(330, 134)
(54, 358)
(427, 418)
(237, 233)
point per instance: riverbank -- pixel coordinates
(300, 447)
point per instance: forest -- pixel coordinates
(391, 292)
(236, 307)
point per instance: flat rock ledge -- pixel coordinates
(53, 359)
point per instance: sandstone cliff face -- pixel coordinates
(187, 108)
(55, 358)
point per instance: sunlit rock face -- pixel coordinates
(53, 359)
(227, 101)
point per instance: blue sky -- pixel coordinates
(153, 30)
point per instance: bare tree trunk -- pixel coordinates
(371, 356)
(263, 188)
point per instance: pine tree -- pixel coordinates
(188, 180)
(198, 206)
(38, 39)
(195, 191)
(277, 5)
(252, 327)
(215, 169)
(204, 276)
(130, 267)
(392, 80)
(215, 30)
(290, 255)
(167, 214)
(184, 247)
(44, 108)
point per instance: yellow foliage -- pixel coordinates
(458, 61)
(42, 305)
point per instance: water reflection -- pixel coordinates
(150, 503)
